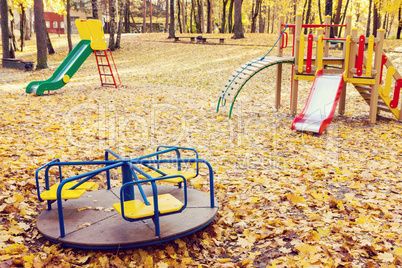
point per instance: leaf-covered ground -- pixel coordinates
(287, 199)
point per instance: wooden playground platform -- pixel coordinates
(92, 223)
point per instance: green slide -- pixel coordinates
(65, 71)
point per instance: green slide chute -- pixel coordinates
(65, 71)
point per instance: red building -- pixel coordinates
(54, 23)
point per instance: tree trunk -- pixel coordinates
(184, 15)
(4, 28)
(261, 21)
(230, 16)
(337, 16)
(28, 25)
(197, 17)
(167, 16)
(112, 24)
(376, 20)
(144, 16)
(238, 24)
(369, 18)
(254, 16)
(50, 48)
(120, 27)
(127, 17)
(343, 18)
(40, 30)
(150, 16)
(398, 33)
(68, 19)
(171, 24)
(319, 12)
(224, 3)
(268, 15)
(191, 16)
(328, 12)
(95, 9)
(209, 16)
(14, 44)
(201, 16)
(23, 22)
(178, 16)
(308, 14)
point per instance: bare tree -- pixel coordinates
(150, 16)
(238, 24)
(4, 29)
(40, 30)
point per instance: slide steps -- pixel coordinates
(365, 92)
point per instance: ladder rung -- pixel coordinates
(108, 84)
(103, 64)
(106, 74)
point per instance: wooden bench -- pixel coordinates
(17, 64)
(221, 40)
(192, 38)
(199, 39)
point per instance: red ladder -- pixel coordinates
(108, 75)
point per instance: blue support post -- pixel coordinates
(127, 177)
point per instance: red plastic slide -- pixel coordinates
(321, 103)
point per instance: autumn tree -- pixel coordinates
(4, 29)
(41, 35)
(238, 24)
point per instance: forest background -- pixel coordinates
(195, 16)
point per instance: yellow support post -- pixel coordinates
(320, 53)
(301, 53)
(370, 50)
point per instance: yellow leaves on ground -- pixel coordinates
(287, 199)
